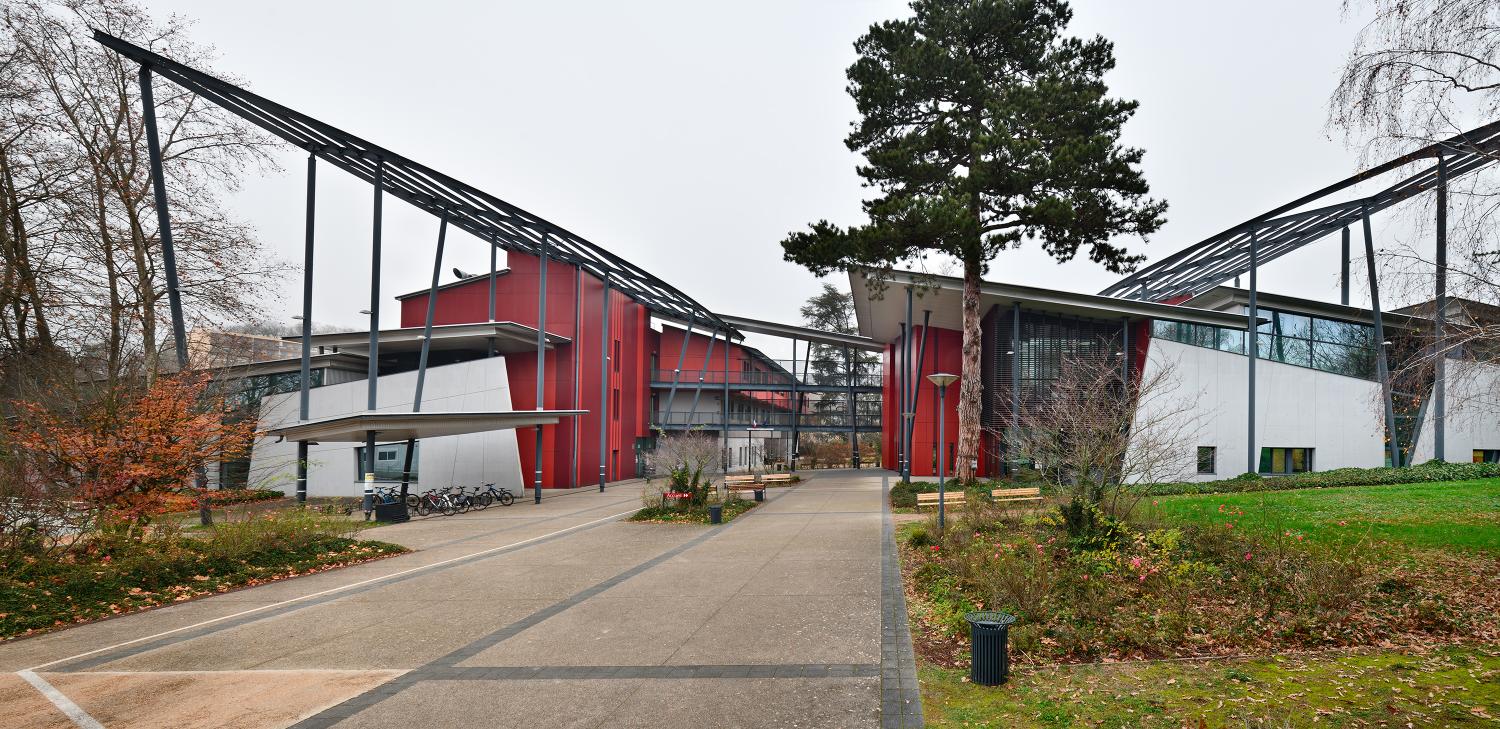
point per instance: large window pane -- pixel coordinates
(390, 460)
(1294, 325)
(1344, 360)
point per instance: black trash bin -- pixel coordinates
(716, 513)
(760, 494)
(989, 633)
(393, 511)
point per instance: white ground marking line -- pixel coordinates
(324, 592)
(64, 704)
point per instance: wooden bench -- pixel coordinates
(999, 495)
(732, 481)
(758, 489)
(776, 478)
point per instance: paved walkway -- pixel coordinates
(558, 615)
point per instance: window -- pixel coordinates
(1286, 460)
(1486, 455)
(390, 459)
(1207, 455)
(1340, 347)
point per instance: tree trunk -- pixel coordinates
(970, 389)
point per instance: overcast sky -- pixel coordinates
(690, 136)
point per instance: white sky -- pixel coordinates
(690, 136)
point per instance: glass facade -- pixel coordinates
(1331, 345)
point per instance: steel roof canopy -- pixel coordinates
(488, 217)
(1201, 267)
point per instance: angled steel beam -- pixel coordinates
(541, 363)
(163, 220)
(1382, 368)
(305, 366)
(1252, 351)
(1440, 318)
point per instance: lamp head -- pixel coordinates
(942, 379)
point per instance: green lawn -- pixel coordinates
(1452, 515)
(1455, 686)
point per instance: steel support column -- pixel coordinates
(541, 364)
(1252, 351)
(1382, 367)
(677, 372)
(900, 370)
(791, 445)
(416, 402)
(1440, 318)
(305, 383)
(724, 406)
(604, 389)
(916, 382)
(373, 365)
(908, 388)
(163, 220)
(1015, 379)
(1125, 352)
(494, 252)
(1344, 266)
(713, 336)
(853, 411)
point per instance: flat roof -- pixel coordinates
(509, 337)
(806, 334)
(394, 426)
(880, 317)
(1230, 296)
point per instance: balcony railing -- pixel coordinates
(749, 378)
(713, 420)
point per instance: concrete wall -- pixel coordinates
(1296, 407)
(1473, 418)
(468, 460)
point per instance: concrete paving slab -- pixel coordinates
(605, 631)
(788, 576)
(558, 704)
(787, 629)
(211, 700)
(21, 705)
(756, 702)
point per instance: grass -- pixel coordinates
(112, 574)
(691, 515)
(1460, 515)
(1456, 686)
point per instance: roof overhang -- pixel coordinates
(335, 360)
(389, 426)
(1222, 297)
(816, 336)
(880, 316)
(509, 338)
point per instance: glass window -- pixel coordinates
(1486, 455)
(1286, 460)
(390, 459)
(1293, 325)
(1206, 459)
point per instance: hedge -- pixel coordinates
(1429, 471)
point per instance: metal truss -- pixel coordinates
(485, 216)
(1201, 267)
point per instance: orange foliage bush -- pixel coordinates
(123, 453)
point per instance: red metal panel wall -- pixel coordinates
(570, 449)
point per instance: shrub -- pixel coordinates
(1426, 472)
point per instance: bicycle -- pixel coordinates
(502, 495)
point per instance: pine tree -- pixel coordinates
(982, 125)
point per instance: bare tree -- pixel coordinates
(1423, 71)
(1093, 436)
(103, 252)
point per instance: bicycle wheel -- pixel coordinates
(424, 507)
(506, 499)
(483, 500)
(449, 508)
(463, 504)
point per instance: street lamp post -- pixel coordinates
(942, 380)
